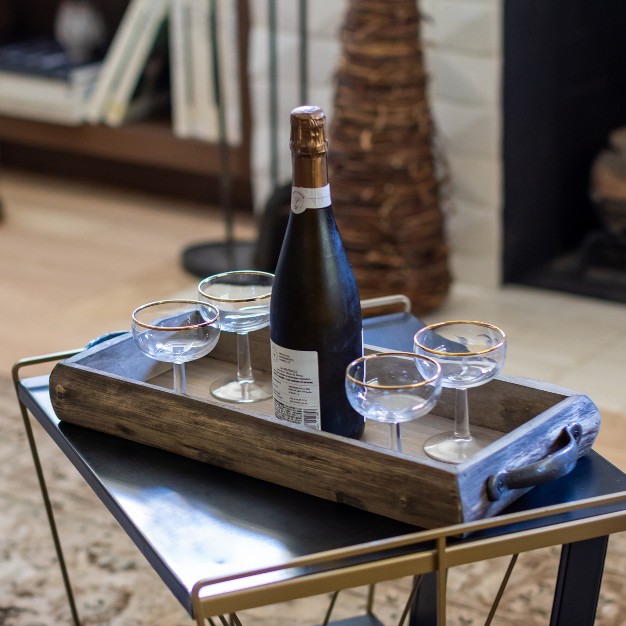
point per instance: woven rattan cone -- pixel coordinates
(385, 189)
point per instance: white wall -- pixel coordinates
(462, 39)
(462, 43)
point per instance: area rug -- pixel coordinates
(115, 586)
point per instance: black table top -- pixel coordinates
(193, 521)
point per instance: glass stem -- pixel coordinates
(395, 440)
(244, 364)
(461, 415)
(180, 378)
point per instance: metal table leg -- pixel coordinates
(424, 609)
(42, 482)
(578, 582)
(576, 593)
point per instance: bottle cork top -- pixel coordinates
(308, 131)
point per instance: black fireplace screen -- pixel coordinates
(564, 92)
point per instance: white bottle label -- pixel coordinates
(295, 383)
(303, 198)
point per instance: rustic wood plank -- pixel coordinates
(255, 444)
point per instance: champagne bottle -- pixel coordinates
(315, 312)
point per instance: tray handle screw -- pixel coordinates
(61, 392)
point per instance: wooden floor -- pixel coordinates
(76, 259)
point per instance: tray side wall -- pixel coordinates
(250, 443)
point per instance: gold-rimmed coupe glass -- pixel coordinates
(470, 353)
(176, 331)
(243, 299)
(393, 387)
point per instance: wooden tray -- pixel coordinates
(116, 389)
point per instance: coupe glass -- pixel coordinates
(243, 299)
(393, 387)
(471, 354)
(176, 331)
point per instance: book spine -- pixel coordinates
(113, 66)
(46, 99)
(41, 89)
(181, 73)
(205, 122)
(38, 90)
(229, 70)
(53, 112)
(148, 25)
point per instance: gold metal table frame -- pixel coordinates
(366, 564)
(439, 559)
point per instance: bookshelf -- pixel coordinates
(142, 154)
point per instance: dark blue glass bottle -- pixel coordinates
(315, 316)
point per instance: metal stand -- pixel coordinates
(578, 583)
(205, 259)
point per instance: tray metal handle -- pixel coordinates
(372, 307)
(554, 466)
(102, 338)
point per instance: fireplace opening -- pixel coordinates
(564, 95)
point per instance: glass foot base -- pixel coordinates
(231, 390)
(448, 448)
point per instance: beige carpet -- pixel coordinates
(114, 586)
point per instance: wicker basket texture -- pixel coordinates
(385, 189)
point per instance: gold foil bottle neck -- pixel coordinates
(308, 132)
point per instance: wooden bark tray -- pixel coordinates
(542, 430)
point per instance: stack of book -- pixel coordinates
(38, 81)
(205, 70)
(182, 53)
(128, 85)
(202, 44)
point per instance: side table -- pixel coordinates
(298, 545)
